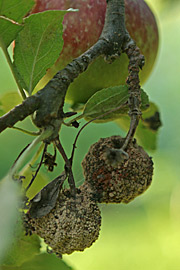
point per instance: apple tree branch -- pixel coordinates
(47, 105)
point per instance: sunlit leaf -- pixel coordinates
(38, 46)
(9, 101)
(147, 131)
(112, 102)
(9, 204)
(22, 249)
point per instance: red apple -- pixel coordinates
(83, 28)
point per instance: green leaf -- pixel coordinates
(15, 9)
(9, 30)
(147, 131)
(22, 249)
(110, 99)
(43, 261)
(38, 46)
(9, 101)
(9, 204)
(11, 17)
(104, 101)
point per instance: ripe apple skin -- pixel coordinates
(83, 28)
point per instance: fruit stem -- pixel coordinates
(68, 166)
(131, 132)
(136, 61)
(39, 166)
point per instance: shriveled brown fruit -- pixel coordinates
(113, 176)
(73, 224)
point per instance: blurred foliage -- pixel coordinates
(9, 101)
(22, 249)
(9, 213)
(169, 3)
(163, 6)
(41, 262)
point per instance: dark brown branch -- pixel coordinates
(19, 112)
(114, 31)
(48, 103)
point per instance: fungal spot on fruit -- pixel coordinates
(100, 22)
(89, 6)
(116, 181)
(77, 39)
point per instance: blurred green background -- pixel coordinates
(144, 234)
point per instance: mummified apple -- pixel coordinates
(83, 28)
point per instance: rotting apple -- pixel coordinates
(83, 28)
